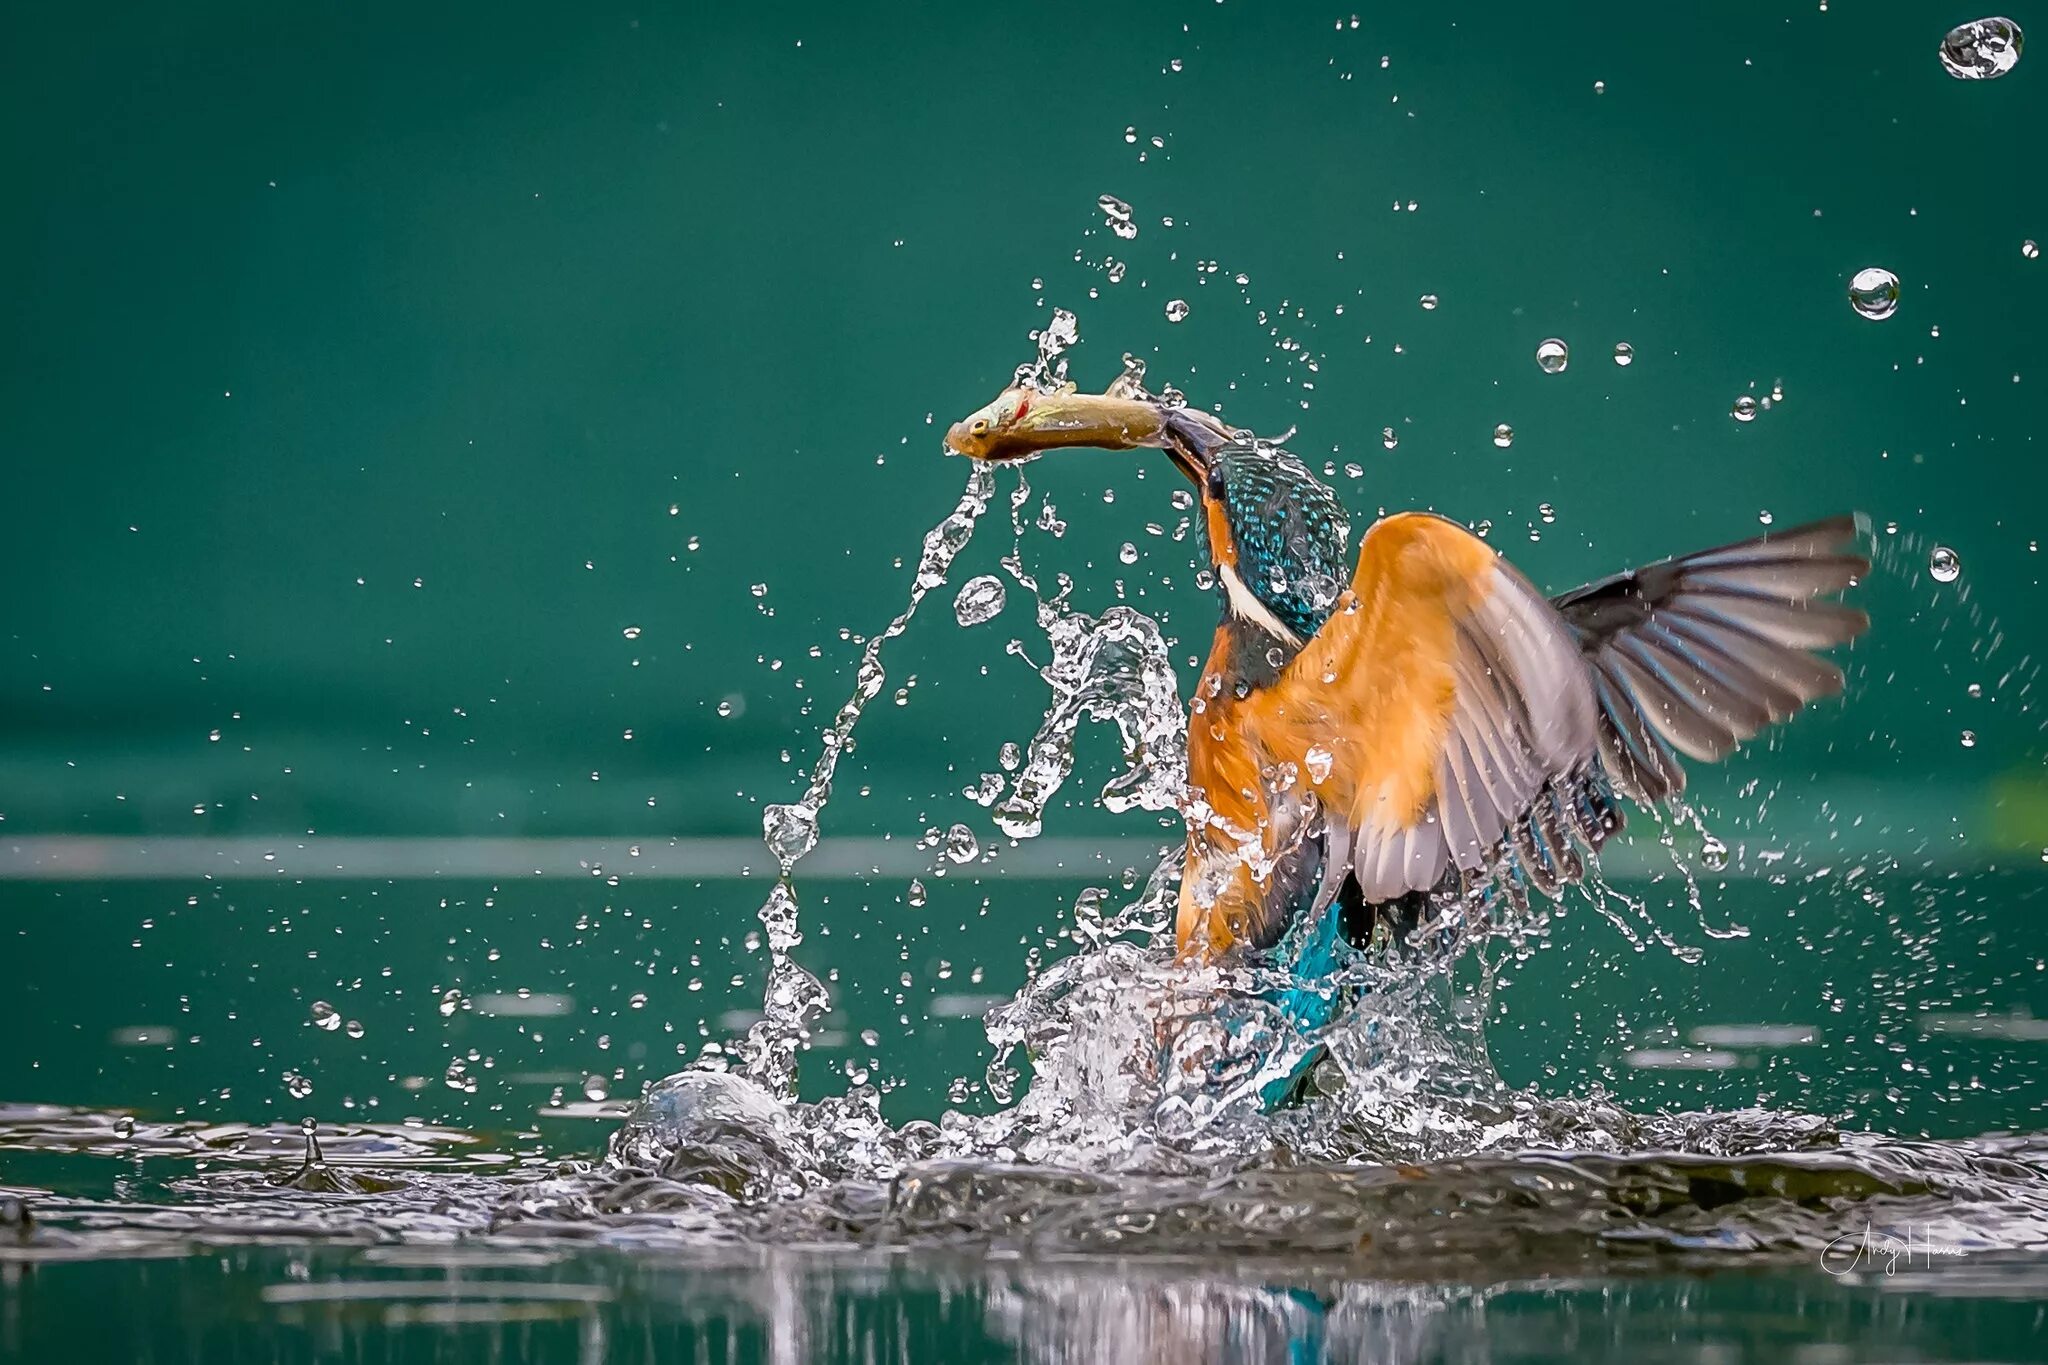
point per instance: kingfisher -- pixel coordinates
(1415, 724)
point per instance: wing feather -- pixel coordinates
(1479, 732)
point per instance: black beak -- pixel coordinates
(1192, 438)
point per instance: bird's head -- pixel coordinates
(1277, 538)
(1276, 533)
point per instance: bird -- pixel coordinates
(1415, 723)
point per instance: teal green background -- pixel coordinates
(369, 373)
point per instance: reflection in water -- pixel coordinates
(782, 1307)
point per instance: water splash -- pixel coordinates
(1113, 668)
(794, 996)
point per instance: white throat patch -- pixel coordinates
(1248, 607)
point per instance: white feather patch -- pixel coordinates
(1244, 603)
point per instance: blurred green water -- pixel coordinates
(373, 373)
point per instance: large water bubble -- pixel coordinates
(978, 600)
(1552, 355)
(1874, 292)
(1982, 49)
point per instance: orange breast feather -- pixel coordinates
(1219, 896)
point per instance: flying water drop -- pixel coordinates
(1503, 435)
(1744, 409)
(325, 1016)
(1388, 438)
(1429, 303)
(1874, 293)
(1983, 49)
(1320, 760)
(2030, 248)
(1117, 214)
(1624, 354)
(1944, 565)
(1176, 310)
(961, 846)
(1552, 355)
(979, 600)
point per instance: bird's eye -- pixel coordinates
(980, 427)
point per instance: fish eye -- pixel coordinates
(980, 427)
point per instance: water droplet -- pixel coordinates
(1874, 292)
(1429, 303)
(725, 708)
(1128, 554)
(915, 896)
(594, 1088)
(353, 1028)
(961, 846)
(1503, 435)
(1388, 438)
(1117, 214)
(1319, 761)
(979, 600)
(1010, 757)
(1969, 739)
(296, 1085)
(1624, 354)
(790, 831)
(2030, 248)
(1552, 356)
(1983, 49)
(325, 1016)
(451, 1001)
(1944, 564)
(631, 632)
(1176, 310)
(1713, 854)
(1744, 409)
(309, 1125)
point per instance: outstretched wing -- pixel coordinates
(1695, 654)
(1452, 710)
(1449, 716)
